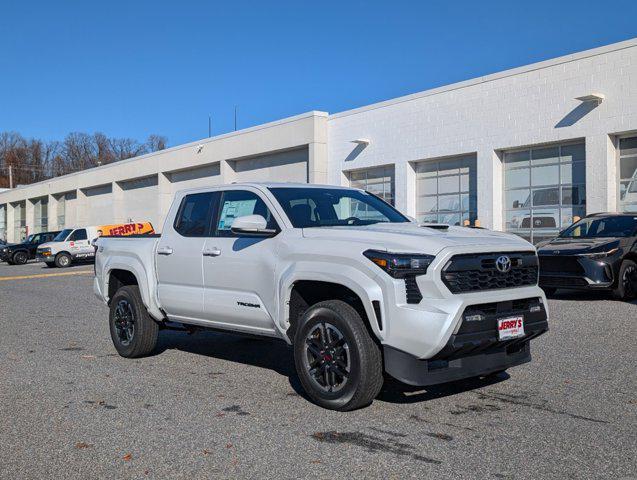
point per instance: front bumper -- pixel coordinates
(474, 349)
(576, 272)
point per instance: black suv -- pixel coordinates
(599, 252)
(20, 253)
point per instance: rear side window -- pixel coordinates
(78, 235)
(195, 214)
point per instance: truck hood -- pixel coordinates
(413, 238)
(573, 246)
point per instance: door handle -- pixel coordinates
(164, 251)
(211, 252)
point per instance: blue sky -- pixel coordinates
(132, 68)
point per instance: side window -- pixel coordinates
(238, 203)
(195, 212)
(78, 235)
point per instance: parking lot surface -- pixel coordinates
(218, 405)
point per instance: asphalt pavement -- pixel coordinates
(214, 405)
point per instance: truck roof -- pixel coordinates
(265, 185)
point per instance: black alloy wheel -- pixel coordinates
(20, 258)
(124, 322)
(327, 358)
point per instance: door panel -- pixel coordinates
(239, 284)
(179, 257)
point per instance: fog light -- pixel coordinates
(535, 308)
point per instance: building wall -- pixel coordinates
(527, 106)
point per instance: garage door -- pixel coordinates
(140, 201)
(290, 166)
(446, 190)
(99, 204)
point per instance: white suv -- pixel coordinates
(355, 286)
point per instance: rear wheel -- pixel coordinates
(627, 281)
(133, 331)
(338, 362)
(20, 258)
(62, 260)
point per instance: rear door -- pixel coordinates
(239, 271)
(179, 256)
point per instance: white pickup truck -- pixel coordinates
(356, 288)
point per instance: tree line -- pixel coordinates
(32, 160)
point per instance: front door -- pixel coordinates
(239, 271)
(80, 247)
(179, 257)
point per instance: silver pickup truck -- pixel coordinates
(356, 288)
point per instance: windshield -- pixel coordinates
(60, 237)
(597, 227)
(328, 207)
(29, 239)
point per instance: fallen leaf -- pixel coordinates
(87, 357)
(81, 445)
(206, 452)
(128, 457)
(228, 445)
(315, 461)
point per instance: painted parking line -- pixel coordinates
(44, 275)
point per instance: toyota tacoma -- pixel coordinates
(357, 288)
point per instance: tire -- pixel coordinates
(133, 331)
(50, 264)
(549, 291)
(353, 352)
(626, 281)
(20, 258)
(62, 260)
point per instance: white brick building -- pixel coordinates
(523, 150)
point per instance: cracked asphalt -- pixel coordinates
(214, 405)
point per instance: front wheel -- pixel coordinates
(20, 258)
(62, 260)
(627, 281)
(337, 361)
(133, 331)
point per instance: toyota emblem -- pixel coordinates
(503, 264)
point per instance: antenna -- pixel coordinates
(209, 126)
(235, 118)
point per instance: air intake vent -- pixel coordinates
(377, 312)
(412, 290)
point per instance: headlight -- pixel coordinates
(400, 265)
(598, 255)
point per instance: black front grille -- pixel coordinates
(412, 290)
(483, 317)
(477, 272)
(557, 264)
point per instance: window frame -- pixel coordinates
(214, 230)
(215, 195)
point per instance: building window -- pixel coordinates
(544, 188)
(379, 181)
(41, 214)
(446, 191)
(19, 221)
(628, 174)
(3, 222)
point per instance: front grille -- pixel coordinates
(557, 264)
(477, 272)
(412, 290)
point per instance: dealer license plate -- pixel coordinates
(511, 327)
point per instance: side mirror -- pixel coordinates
(516, 204)
(252, 225)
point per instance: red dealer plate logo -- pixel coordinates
(511, 327)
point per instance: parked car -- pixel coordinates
(599, 252)
(76, 244)
(21, 253)
(355, 286)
